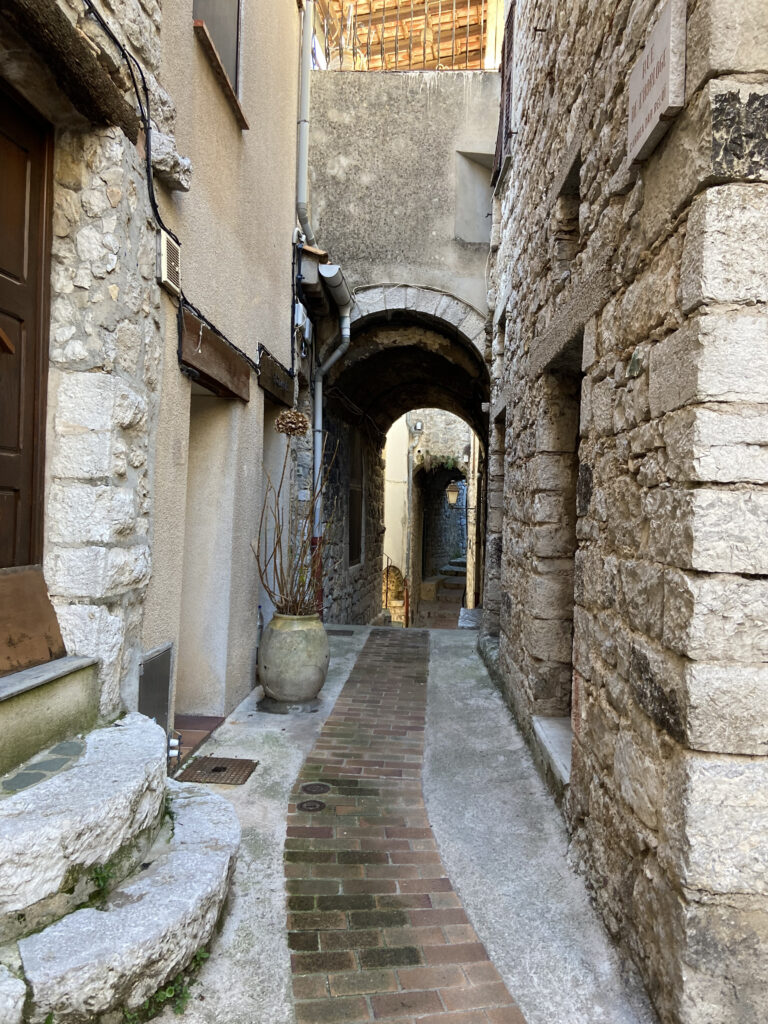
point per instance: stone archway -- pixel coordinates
(374, 302)
(411, 348)
(414, 347)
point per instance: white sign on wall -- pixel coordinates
(657, 82)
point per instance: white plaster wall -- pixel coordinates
(396, 494)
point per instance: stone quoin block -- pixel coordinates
(716, 357)
(716, 265)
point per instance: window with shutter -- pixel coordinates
(504, 135)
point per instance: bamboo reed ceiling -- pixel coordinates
(402, 35)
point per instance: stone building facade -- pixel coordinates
(626, 540)
(131, 442)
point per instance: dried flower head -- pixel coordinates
(292, 422)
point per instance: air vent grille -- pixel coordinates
(169, 263)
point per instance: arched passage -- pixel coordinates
(411, 348)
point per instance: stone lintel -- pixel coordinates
(587, 299)
(569, 156)
(73, 59)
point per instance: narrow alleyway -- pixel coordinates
(377, 930)
(452, 903)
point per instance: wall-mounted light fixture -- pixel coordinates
(452, 492)
(418, 426)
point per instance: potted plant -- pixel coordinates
(293, 654)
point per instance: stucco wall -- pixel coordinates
(236, 227)
(630, 350)
(390, 192)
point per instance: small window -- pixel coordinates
(505, 131)
(355, 499)
(222, 19)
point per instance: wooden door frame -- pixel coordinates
(44, 241)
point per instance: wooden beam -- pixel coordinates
(212, 54)
(215, 365)
(71, 57)
(29, 634)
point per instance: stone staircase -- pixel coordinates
(112, 876)
(443, 596)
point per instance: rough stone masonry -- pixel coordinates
(105, 350)
(628, 473)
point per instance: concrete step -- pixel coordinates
(96, 960)
(61, 697)
(104, 809)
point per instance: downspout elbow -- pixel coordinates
(302, 212)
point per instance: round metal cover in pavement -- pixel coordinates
(311, 805)
(315, 787)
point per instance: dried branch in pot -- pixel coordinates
(288, 562)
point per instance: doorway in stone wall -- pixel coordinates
(30, 632)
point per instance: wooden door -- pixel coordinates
(25, 190)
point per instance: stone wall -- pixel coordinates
(631, 392)
(445, 525)
(352, 593)
(105, 334)
(105, 362)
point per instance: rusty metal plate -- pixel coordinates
(316, 787)
(311, 805)
(224, 771)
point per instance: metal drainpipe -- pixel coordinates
(337, 286)
(302, 156)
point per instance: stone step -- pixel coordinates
(460, 563)
(454, 583)
(450, 597)
(104, 809)
(97, 960)
(453, 570)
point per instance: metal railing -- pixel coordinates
(407, 35)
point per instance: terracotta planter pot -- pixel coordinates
(293, 657)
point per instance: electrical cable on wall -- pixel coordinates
(144, 111)
(145, 115)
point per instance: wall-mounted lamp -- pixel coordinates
(418, 426)
(452, 492)
(466, 458)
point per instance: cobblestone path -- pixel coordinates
(376, 930)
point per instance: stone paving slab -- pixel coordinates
(375, 927)
(509, 857)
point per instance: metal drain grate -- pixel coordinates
(316, 787)
(311, 805)
(224, 771)
(340, 632)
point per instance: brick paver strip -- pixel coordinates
(376, 931)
